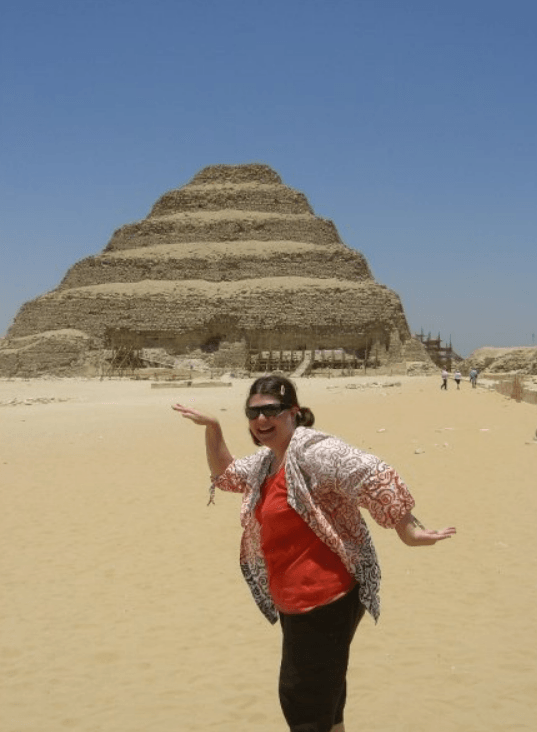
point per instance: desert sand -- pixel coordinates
(123, 608)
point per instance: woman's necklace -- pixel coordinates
(276, 465)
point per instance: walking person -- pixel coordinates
(445, 376)
(457, 376)
(473, 377)
(306, 551)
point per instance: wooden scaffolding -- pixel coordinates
(441, 355)
(122, 353)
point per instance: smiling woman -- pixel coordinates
(306, 551)
(269, 397)
(272, 424)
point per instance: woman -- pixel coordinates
(306, 551)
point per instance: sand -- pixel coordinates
(123, 608)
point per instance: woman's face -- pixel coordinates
(273, 432)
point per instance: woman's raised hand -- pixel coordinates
(218, 455)
(194, 415)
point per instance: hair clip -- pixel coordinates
(282, 390)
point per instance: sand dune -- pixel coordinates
(123, 608)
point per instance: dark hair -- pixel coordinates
(284, 391)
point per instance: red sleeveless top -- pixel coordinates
(303, 572)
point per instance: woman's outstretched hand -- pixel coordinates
(413, 533)
(431, 536)
(218, 455)
(195, 416)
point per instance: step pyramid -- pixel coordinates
(232, 260)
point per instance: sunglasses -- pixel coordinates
(267, 410)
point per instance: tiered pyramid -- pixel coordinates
(233, 258)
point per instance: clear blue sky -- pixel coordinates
(412, 124)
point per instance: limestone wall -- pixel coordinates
(251, 197)
(234, 174)
(229, 226)
(288, 308)
(225, 265)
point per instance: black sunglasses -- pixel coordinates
(267, 410)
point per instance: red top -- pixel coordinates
(303, 572)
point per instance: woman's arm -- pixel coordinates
(218, 455)
(413, 533)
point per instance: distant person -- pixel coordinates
(457, 376)
(445, 376)
(473, 378)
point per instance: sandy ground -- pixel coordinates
(123, 608)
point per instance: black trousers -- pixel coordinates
(315, 658)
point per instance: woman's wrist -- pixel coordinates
(213, 425)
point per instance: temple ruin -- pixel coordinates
(231, 268)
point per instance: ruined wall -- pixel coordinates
(59, 353)
(502, 360)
